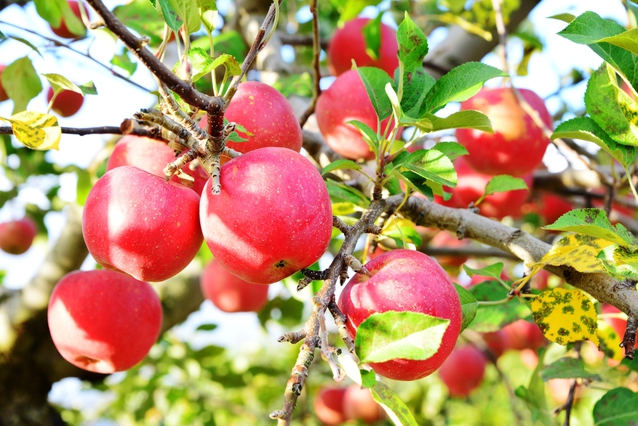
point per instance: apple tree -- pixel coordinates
(410, 260)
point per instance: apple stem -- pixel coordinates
(172, 168)
(341, 225)
(293, 337)
(356, 265)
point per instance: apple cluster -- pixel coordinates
(337, 405)
(272, 218)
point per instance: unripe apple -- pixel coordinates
(553, 207)
(136, 223)
(463, 371)
(103, 321)
(348, 43)
(151, 156)
(522, 334)
(345, 100)
(66, 103)
(471, 185)
(404, 280)
(328, 406)
(16, 236)
(229, 292)
(3, 93)
(272, 218)
(358, 404)
(265, 113)
(62, 30)
(518, 144)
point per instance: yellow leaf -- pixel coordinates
(343, 209)
(566, 316)
(36, 130)
(609, 341)
(578, 251)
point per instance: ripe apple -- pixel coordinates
(471, 185)
(265, 113)
(404, 280)
(518, 145)
(618, 324)
(272, 218)
(62, 30)
(3, 93)
(16, 236)
(496, 342)
(229, 292)
(345, 100)
(136, 223)
(66, 103)
(358, 404)
(151, 156)
(103, 321)
(348, 43)
(463, 371)
(524, 335)
(328, 406)
(553, 207)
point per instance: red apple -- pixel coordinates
(345, 100)
(137, 223)
(358, 404)
(151, 156)
(463, 371)
(328, 406)
(553, 207)
(66, 103)
(3, 93)
(448, 240)
(62, 30)
(496, 342)
(103, 321)
(524, 335)
(348, 43)
(229, 292)
(272, 218)
(518, 145)
(265, 113)
(471, 185)
(16, 236)
(404, 280)
(618, 324)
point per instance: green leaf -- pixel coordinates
(188, 12)
(626, 40)
(396, 409)
(295, 84)
(406, 335)
(620, 261)
(343, 193)
(567, 368)
(618, 407)
(23, 41)
(372, 36)
(504, 183)
(21, 83)
(433, 165)
(401, 230)
(368, 379)
(124, 60)
(534, 396)
(565, 17)
(230, 62)
(469, 305)
(591, 29)
(369, 135)
(493, 318)
(59, 82)
(584, 128)
(170, 15)
(416, 84)
(352, 8)
(611, 108)
(340, 165)
(456, 19)
(467, 119)
(375, 80)
(290, 311)
(413, 45)
(142, 17)
(83, 186)
(595, 223)
(55, 11)
(206, 327)
(458, 85)
(492, 271)
(418, 183)
(208, 13)
(452, 150)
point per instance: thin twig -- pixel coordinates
(316, 45)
